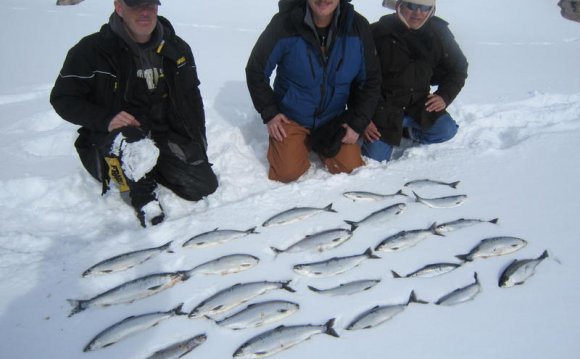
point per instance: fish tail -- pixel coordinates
(475, 277)
(329, 208)
(313, 289)
(401, 193)
(329, 328)
(454, 184)
(353, 225)
(396, 275)
(285, 286)
(276, 250)
(369, 253)
(494, 221)
(463, 257)
(544, 255)
(413, 299)
(178, 310)
(417, 197)
(252, 231)
(78, 306)
(436, 230)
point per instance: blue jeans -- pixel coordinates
(442, 130)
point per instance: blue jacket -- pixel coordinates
(312, 88)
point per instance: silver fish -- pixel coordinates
(281, 338)
(370, 196)
(258, 314)
(295, 214)
(125, 261)
(320, 241)
(130, 326)
(380, 314)
(347, 288)
(232, 263)
(179, 349)
(441, 202)
(382, 215)
(333, 266)
(215, 237)
(427, 182)
(234, 296)
(429, 271)
(495, 246)
(462, 223)
(406, 239)
(131, 291)
(519, 270)
(462, 294)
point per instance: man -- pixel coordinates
(416, 50)
(324, 57)
(133, 89)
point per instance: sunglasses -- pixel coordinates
(411, 6)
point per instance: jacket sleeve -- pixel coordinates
(263, 59)
(365, 91)
(73, 90)
(451, 72)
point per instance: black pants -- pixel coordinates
(189, 181)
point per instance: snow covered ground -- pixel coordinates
(516, 156)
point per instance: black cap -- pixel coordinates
(132, 3)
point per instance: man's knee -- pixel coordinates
(286, 174)
(444, 129)
(347, 160)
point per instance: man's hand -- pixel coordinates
(372, 133)
(435, 103)
(123, 119)
(276, 127)
(351, 136)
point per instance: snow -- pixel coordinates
(516, 155)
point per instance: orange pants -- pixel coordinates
(289, 158)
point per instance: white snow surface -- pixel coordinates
(516, 155)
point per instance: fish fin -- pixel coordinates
(178, 310)
(166, 246)
(463, 257)
(475, 277)
(413, 299)
(285, 285)
(251, 231)
(155, 287)
(276, 250)
(396, 275)
(353, 225)
(78, 306)
(436, 231)
(401, 193)
(329, 328)
(329, 208)
(494, 221)
(313, 289)
(369, 253)
(417, 198)
(454, 184)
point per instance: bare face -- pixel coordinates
(140, 20)
(414, 18)
(323, 11)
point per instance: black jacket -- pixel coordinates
(96, 83)
(411, 61)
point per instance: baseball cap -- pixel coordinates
(132, 3)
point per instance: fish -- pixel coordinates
(495, 246)
(382, 215)
(131, 291)
(333, 266)
(234, 296)
(130, 326)
(406, 239)
(441, 202)
(371, 196)
(281, 338)
(427, 182)
(258, 314)
(380, 314)
(320, 241)
(295, 214)
(126, 261)
(179, 349)
(462, 223)
(461, 295)
(216, 237)
(347, 288)
(229, 264)
(429, 271)
(518, 271)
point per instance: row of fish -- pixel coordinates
(258, 314)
